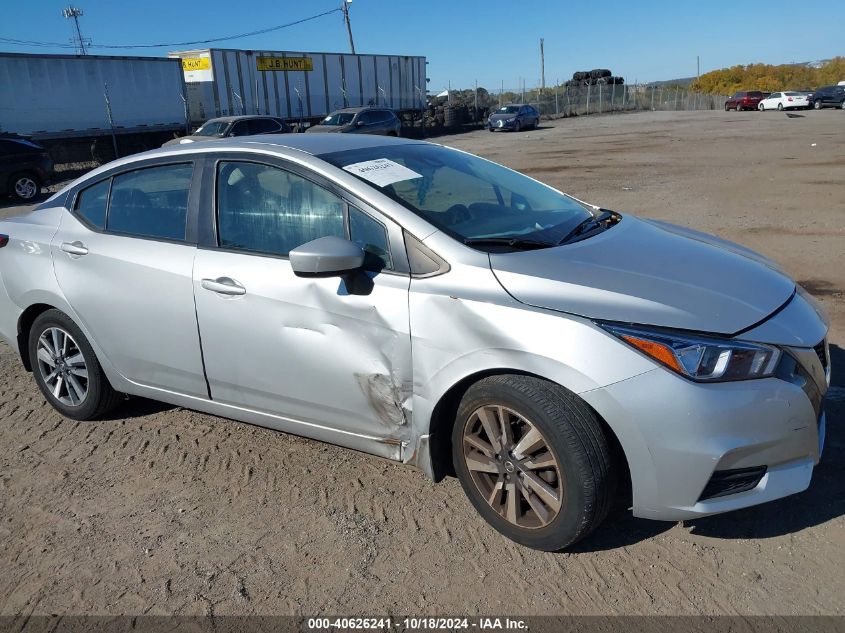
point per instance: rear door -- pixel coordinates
(123, 256)
(308, 349)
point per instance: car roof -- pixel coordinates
(315, 144)
(241, 117)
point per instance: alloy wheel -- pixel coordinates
(62, 366)
(513, 466)
(26, 188)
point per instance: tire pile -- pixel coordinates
(594, 78)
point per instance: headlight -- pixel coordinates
(701, 358)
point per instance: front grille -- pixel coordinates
(730, 482)
(821, 352)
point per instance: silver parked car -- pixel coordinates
(361, 121)
(430, 307)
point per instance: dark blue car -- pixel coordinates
(515, 117)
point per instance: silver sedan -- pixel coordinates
(430, 307)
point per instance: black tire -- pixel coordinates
(575, 436)
(517, 127)
(100, 398)
(817, 105)
(727, 108)
(780, 107)
(24, 186)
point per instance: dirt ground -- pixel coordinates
(162, 510)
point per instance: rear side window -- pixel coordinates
(263, 126)
(91, 204)
(151, 202)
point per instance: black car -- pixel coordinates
(25, 167)
(228, 126)
(829, 97)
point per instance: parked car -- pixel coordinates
(745, 100)
(25, 167)
(228, 126)
(829, 97)
(428, 306)
(514, 117)
(784, 101)
(362, 121)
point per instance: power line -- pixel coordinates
(9, 40)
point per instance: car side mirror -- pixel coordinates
(360, 124)
(326, 257)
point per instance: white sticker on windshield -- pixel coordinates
(382, 171)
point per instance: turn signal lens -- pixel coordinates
(701, 358)
(4, 239)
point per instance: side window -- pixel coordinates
(239, 129)
(366, 118)
(264, 209)
(91, 203)
(372, 236)
(151, 202)
(263, 126)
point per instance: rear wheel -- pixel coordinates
(533, 459)
(66, 368)
(25, 186)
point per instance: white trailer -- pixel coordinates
(297, 86)
(53, 97)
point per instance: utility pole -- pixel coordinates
(345, 6)
(697, 68)
(72, 12)
(542, 67)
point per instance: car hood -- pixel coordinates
(649, 273)
(329, 128)
(496, 117)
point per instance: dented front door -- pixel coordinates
(305, 349)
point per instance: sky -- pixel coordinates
(493, 42)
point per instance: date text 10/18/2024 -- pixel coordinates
(417, 624)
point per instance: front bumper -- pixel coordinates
(676, 434)
(502, 124)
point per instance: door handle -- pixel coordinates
(74, 248)
(224, 286)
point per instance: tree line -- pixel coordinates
(771, 78)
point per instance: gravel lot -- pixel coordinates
(162, 510)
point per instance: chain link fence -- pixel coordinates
(603, 98)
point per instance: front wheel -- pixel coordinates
(761, 107)
(780, 106)
(817, 105)
(517, 127)
(66, 369)
(727, 108)
(533, 459)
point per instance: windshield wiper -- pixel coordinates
(513, 241)
(587, 225)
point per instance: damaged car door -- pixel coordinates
(330, 351)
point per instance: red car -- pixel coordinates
(744, 101)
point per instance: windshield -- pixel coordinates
(464, 195)
(212, 128)
(513, 109)
(338, 118)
